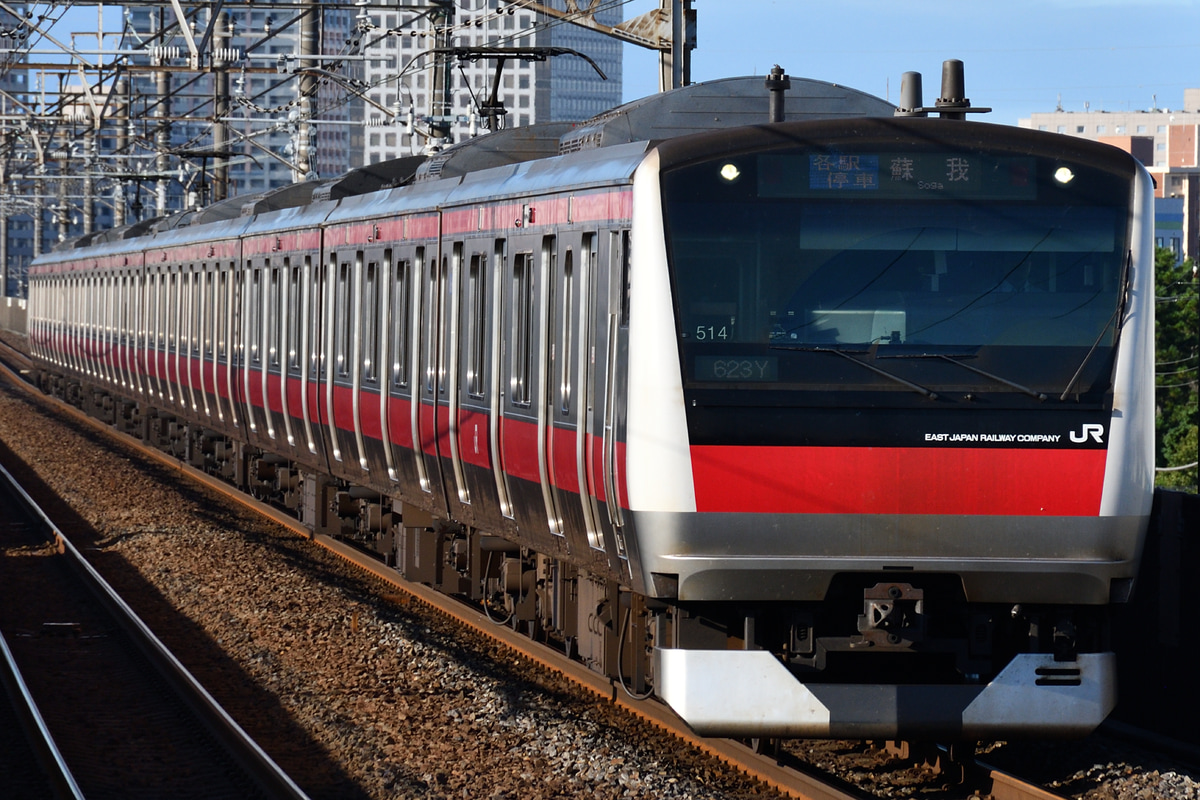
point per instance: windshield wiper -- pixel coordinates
(836, 351)
(1115, 316)
(953, 360)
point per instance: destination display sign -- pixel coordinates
(907, 175)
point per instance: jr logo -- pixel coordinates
(1096, 432)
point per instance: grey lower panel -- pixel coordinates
(781, 557)
(749, 693)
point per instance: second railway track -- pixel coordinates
(127, 719)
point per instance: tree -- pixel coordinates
(1177, 346)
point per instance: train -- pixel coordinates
(811, 416)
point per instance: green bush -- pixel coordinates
(1177, 340)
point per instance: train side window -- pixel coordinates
(273, 318)
(294, 315)
(253, 325)
(160, 314)
(100, 312)
(522, 329)
(442, 320)
(172, 311)
(180, 317)
(185, 311)
(221, 313)
(207, 311)
(568, 280)
(196, 299)
(475, 310)
(345, 319)
(316, 316)
(401, 289)
(123, 309)
(619, 258)
(148, 323)
(429, 324)
(369, 327)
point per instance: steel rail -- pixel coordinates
(244, 750)
(36, 732)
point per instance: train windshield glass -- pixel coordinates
(931, 266)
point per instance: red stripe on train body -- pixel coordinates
(891, 480)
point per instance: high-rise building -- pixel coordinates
(446, 94)
(264, 104)
(16, 211)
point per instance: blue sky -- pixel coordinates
(1019, 55)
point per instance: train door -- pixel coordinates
(190, 346)
(402, 330)
(561, 398)
(236, 347)
(70, 328)
(77, 320)
(431, 381)
(120, 378)
(610, 303)
(131, 289)
(129, 330)
(79, 326)
(371, 423)
(250, 365)
(120, 375)
(158, 352)
(449, 401)
(523, 433)
(137, 331)
(496, 388)
(312, 358)
(222, 358)
(174, 383)
(204, 340)
(139, 292)
(103, 328)
(106, 328)
(480, 469)
(116, 330)
(290, 354)
(272, 343)
(341, 317)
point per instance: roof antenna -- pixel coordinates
(953, 104)
(953, 100)
(911, 96)
(777, 84)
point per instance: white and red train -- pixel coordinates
(836, 426)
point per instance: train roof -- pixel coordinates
(512, 161)
(717, 105)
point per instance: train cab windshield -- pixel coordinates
(879, 266)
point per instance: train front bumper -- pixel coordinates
(750, 693)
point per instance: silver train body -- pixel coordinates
(840, 426)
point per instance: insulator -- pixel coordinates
(227, 54)
(166, 53)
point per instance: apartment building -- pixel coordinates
(1166, 141)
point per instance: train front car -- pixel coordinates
(889, 425)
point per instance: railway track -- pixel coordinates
(785, 777)
(111, 712)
